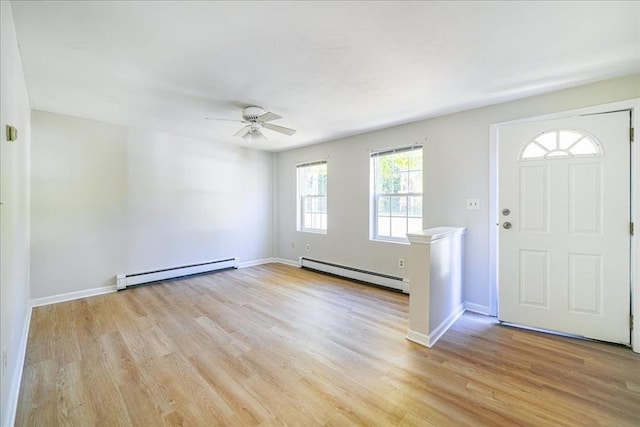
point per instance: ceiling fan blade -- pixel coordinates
(267, 117)
(243, 132)
(280, 129)
(224, 120)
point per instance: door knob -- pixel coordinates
(506, 225)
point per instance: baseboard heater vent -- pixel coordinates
(384, 280)
(124, 280)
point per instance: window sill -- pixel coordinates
(313, 231)
(397, 242)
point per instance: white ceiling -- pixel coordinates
(330, 69)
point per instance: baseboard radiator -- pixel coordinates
(384, 280)
(125, 280)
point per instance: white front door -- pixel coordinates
(564, 215)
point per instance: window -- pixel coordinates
(397, 193)
(312, 197)
(560, 144)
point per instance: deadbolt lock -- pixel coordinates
(506, 212)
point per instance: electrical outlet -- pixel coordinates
(473, 204)
(401, 262)
(5, 360)
(308, 247)
(293, 245)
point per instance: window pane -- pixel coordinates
(316, 220)
(322, 205)
(534, 151)
(415, 225)
(567, 137)
(548, 140)
(398, 206)
(415, 159)
(398, 227)
(584, 146)
(322, 180)
(415, 182)
(404, 183)
(384, 205)
(384, 226)
(393, 184)
(415, 207)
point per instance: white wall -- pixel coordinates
(14, 212)
(107, 199)
(457, 166)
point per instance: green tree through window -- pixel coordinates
(397, 193)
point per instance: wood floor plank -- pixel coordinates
(275, 345)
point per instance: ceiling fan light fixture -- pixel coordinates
(254, 135)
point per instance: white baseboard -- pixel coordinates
(431, 339)
(443, 327)
(287, 262)
(419, 338)
(9, 418)
(53, 299)
(256, 262)
(477, 308)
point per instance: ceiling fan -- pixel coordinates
(256, 119)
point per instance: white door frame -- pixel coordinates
(634, 106)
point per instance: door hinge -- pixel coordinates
(631, 134)
(631, 228)
(631, 322)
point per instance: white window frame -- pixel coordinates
(301, 198)
(375, 196)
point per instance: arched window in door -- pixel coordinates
(561, 143)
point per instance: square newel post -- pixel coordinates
(435, 272)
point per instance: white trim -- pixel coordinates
(287, 262)
(493, 220)
(14, 386)
(630, 104)
(419, 338)
(447, 323)
(433, 235)
(477, 308)
(86, 293)
(255, 262)
(69, 296)
(635, 218)
(431, 339)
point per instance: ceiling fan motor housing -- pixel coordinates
(251, 114)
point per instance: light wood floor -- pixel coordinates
(276, 345)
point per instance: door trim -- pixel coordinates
(634, 106)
